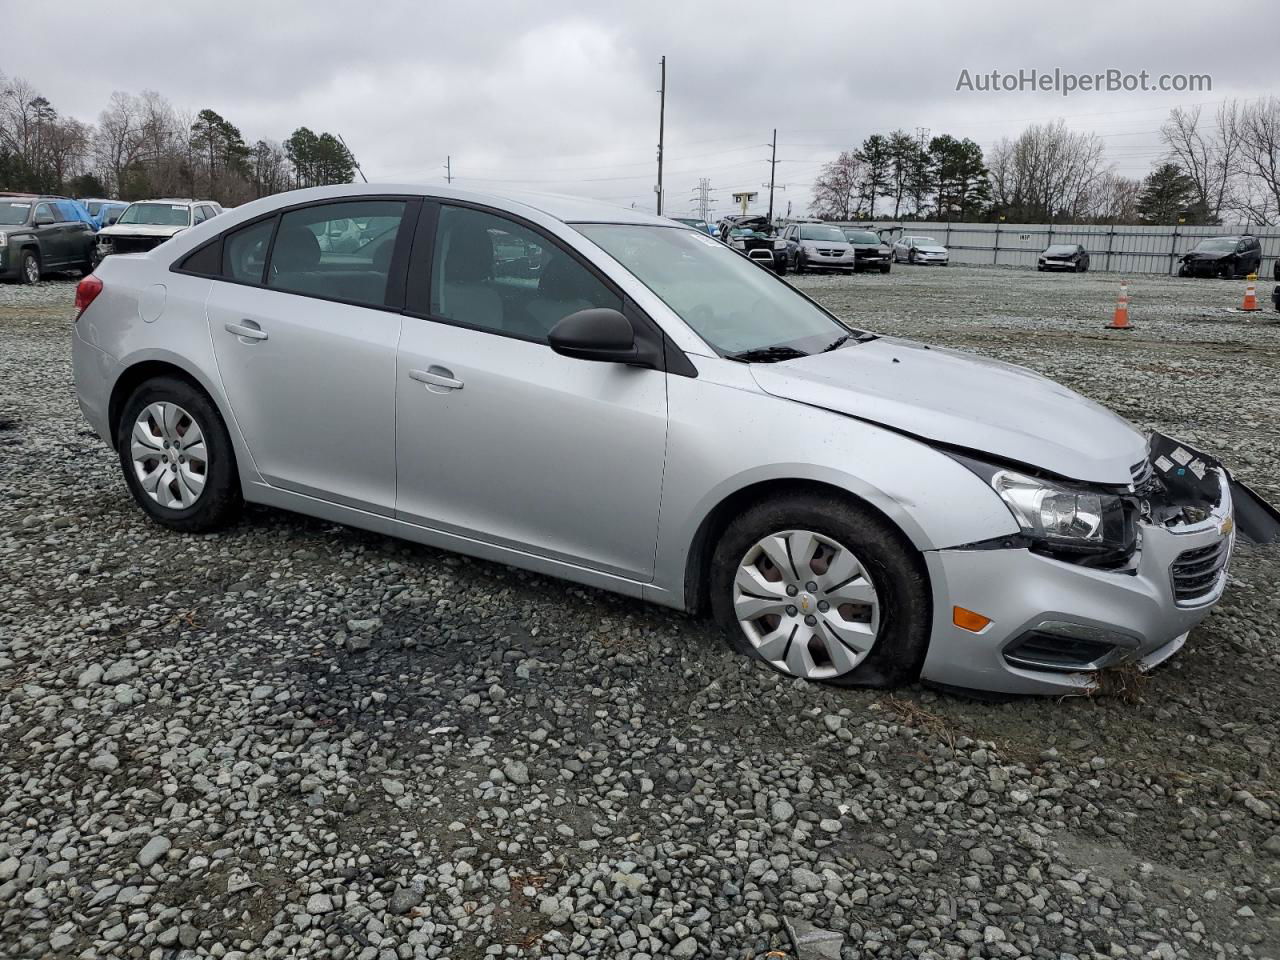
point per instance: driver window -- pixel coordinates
(500, 275)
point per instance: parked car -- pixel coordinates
(1226, 257)
(756, 239)
(818, 246)
(870, 252)
(1064, 256)
(919, 250)
(697, 223)
(104, 212)
(40, 235)
(914, 511)
(148, 223)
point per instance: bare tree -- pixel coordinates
(1048, 173)
(1209, 154)
(121, 140)
(1260, 160)
(1114, 199)
(835, 192)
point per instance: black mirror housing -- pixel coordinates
(598, 333)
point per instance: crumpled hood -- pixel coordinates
(140, 230)
(1208, 255)
(964, 400)
(930, 248)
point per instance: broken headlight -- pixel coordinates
(1062, 518)
(1059, 516)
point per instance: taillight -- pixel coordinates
(86, 292)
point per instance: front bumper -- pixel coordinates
(939, 258)
(1205, 268)
(1087, 619)
(819, 262)
(1058, 264)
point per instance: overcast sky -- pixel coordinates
(562, 96)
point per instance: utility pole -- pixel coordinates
(773, 167)
(448, 169)
(662, 123)
(353, 159)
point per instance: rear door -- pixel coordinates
(305, 342)
(498, 437)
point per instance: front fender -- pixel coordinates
(725, 436)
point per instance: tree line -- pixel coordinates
(141, 146)
(1213, 170)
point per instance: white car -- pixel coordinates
(919, 250)
(148, 223)
(654, 416)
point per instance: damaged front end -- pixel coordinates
(1098, 577)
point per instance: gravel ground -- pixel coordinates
(295, 739)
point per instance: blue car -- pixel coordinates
(103, 212)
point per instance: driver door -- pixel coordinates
(499, 438)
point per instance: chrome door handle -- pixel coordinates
(436, 377)
(247, 329)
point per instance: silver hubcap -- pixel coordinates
(33, 270)
(169, 455)
(806, 604)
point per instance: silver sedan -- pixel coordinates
(614, 399)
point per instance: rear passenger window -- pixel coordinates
(340, 251)
(200, 216)
(244, 252)
(497, 274)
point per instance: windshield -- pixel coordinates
(157, 214)
(1217, 245)
(726, 299)
(925, 242)
(699, 224)
(861, 236)
(821, 231)
(13, 212)
(1060, 250)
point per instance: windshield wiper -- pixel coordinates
(767, 354)
(837, 343)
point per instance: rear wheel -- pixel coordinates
(30, 270)
(823, 589)
(177, 457)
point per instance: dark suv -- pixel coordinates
(1226, 257)
(41, 235)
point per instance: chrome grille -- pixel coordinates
(1142, 473)
(1196, 572)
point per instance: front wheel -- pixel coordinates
(177, 457)
(30, 270)
(799, 267)
(824, 589)
(782, 267)
(885, 268)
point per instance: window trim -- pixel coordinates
(420, 282)
(399, 256)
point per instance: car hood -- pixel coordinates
(1208, 255)
(930, 248)
(966, 401)
(139, 230)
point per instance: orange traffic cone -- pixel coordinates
(1250, 304)
(1120, 321)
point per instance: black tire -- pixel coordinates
(219, 502)
(25, 273)
(1184, 271)
(897, 573)
(1041, 267)
(911, 256)
(1228, 271)
(885, 268)
(799, 267)
(782, 267)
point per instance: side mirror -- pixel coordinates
(43, 219)
(598, 333)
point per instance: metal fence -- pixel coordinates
(1145, 249)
